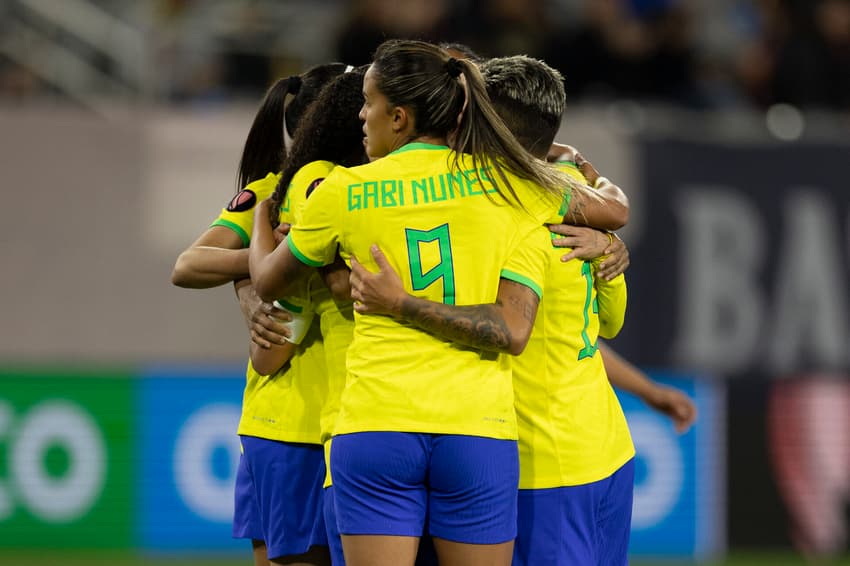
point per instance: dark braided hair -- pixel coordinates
(264, 149)
(331, 130)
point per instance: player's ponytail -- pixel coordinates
(304, 90)
(449, 99)
(263, 150)
(265, 147)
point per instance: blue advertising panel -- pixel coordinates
(679, 505)
(189, 455)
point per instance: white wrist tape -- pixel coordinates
(302, 316)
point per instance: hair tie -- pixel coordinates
(454, 67)
(294, 84)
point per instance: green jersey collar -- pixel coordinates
(417, 145)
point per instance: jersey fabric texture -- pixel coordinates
(450, 242)
(572, 429)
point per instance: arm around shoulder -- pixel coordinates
(606, 209)
(215, 258)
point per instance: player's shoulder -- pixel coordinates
(264, 187)
(310, 176)
(252, 193)
(313, 170)
(571, 169)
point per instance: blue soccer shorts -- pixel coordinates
(390, 483)
(585, 524)
(279, 495)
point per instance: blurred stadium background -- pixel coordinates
(727, 121)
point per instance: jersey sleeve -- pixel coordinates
(314, 238)
(238, 215)
(526, 264)
(611, 298)
(305, 181)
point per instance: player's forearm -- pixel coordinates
(274, 270)
(623, 375)
(478, 326)
(268, 361)
(607, 209)
(203, 267)
(248, 299)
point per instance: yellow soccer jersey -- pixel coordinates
(238, 215)
(450, 243)
(336, 321)
(287, 405)
(572, 429)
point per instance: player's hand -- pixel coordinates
(587, 243)
(281, 232)
(561, 152)
(675, 405)
(267, 326)
(617, 261)
(587, 169)
(261, 213)
(376, 293)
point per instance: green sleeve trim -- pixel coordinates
(243, 235)
(417, 145)
(522, 280)
(568, 163)
(301, 257)
(289, 306)
(565, 203)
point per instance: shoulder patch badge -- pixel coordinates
(244, 200)
(313, 185)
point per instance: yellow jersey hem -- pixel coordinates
(566, 480)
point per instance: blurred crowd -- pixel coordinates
(692, 53)
(717, 53)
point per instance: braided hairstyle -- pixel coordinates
(265, 148)
(330, 130)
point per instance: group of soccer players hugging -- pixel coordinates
(425, 274)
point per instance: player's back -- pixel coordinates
(571, 427)
(450, 242)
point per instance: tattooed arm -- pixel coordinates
(501, 327)
(504, 326)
